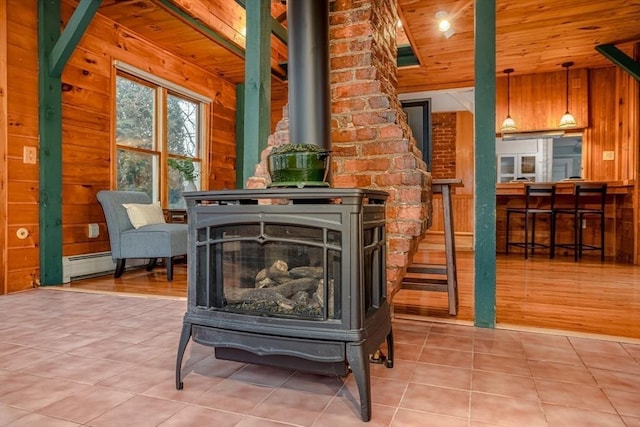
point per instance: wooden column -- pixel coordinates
(485, 155)
(54, 49)
(257, 88)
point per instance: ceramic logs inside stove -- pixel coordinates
(290, 278)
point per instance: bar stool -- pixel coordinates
(588, 201)
(539, 200)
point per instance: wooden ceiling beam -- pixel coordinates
(619, 58)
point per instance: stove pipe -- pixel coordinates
(308, 72)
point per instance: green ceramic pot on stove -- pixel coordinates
(298, 165)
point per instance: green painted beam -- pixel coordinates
(50, 130)
(257, 88)
(276, 27)
(406, 56)
(202, 27)
(240, 179)
(621, 59)
(485, 160)
(71, 35)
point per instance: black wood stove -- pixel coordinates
(290, 278)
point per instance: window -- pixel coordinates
(159, 139)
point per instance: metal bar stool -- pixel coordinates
(588, 201)
(539, 200)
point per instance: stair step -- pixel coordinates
(420, 284)
(427, 269)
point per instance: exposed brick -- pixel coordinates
(343, 76)
(352, 181)
(350, 61)
(348, 105)
(398, 244)
(353, 30)
(391, 131)
(366, 164)
(357, 89)
(404, 228)
(342, 150)
(404, 162)
(443, 145)
(370, 118)
(379, 102)
(397, 259)
(368, 73)
(386, 147)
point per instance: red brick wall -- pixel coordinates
(443, 148)
(372, 145)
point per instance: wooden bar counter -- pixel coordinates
(619, 228)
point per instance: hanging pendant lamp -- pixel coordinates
(567, 119)
(508, 124)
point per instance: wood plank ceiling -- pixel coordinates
(532, 36)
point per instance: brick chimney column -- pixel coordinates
(372, 144)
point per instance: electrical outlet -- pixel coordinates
(584, 223)
(94, 230)
(29, 155)
(608, 155)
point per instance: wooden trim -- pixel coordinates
(4, 142)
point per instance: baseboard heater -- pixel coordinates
(89, 265)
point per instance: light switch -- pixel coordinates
(29, 155)
(608, 155)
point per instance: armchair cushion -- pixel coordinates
(144, 214)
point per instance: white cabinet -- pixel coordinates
(524, 159)
(518, 166)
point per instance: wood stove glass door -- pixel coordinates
(270, 269)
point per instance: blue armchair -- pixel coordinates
(149, 241)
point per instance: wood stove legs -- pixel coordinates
(182, 346)
(359, 357)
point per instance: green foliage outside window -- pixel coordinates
(138, 154)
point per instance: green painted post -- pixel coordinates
(257, 90)
(240, 179)
(50, 129)
(485, 159)
(54, 48)
(621, 59)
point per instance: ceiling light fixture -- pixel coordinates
(444, 25)
(508, 124)
(567, 119)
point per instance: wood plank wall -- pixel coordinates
(87, 110)
(22, 255)
(538, 101)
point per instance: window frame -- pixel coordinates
(162, 90)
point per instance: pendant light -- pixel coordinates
(508, 124)
(567, 119)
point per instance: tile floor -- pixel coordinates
(87, 359)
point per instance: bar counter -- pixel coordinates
(619, 230)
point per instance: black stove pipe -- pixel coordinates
(308, 72)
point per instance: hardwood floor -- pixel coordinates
(584, 297)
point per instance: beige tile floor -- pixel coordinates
(87, 359)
